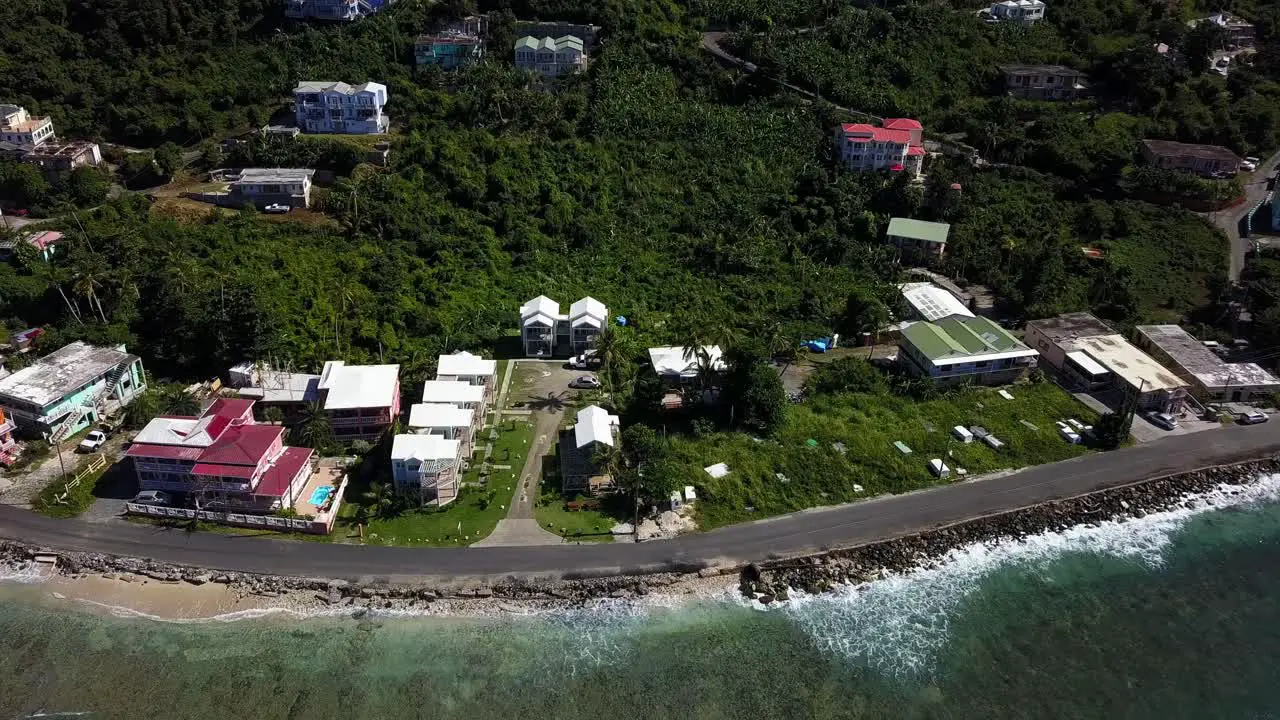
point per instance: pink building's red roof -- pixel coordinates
(275, 481)
(902, 124)
(229, 407)
(915, 150)
(875, 133)
(243, 472)
(242, 445)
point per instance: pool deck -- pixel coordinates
(325, 475)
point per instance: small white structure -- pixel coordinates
(677, 364)
(932, 303)
(427, 466)
(468, 368)
(690, 495)
(455, 392)
(272, 186)
(444, 419)
(992, 442)
(587, 319)
(962, 434)
(595, 425)
(938, 468)
(717, 471)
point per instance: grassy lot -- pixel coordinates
(464, 521)
(524, 380)
(553, 514)
(819, 474)
(79, 498)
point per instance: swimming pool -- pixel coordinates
(320, 495)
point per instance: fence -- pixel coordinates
(320, 526)
(97, 463)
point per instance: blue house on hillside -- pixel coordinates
(71, 388)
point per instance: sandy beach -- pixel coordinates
(138, 596)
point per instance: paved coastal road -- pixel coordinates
(788, 535)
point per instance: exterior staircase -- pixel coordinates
(91, 404)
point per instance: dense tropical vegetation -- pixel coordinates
(701, 203)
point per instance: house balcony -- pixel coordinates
(380, 417)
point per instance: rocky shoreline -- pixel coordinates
(766, 582)
(772, 581)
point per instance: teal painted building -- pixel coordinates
(71, 388)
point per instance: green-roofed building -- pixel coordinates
(958, 349)
(918, 238)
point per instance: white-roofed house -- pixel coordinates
(71, 388)
(361, 401)
(467, 368)
(587, 318)
(427, 466)
(594, 430)
(444, 419)
(457, 393)
(540, 325)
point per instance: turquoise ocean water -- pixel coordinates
(1176, 615)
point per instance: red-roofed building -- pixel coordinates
(896, 146)
(223, 457)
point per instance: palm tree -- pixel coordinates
(86, 282)
(313, 429)
(380, 499)
(610, 353)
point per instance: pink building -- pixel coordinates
(361, 400)
(223, 455)
(897, 146)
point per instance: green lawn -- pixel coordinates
(522, 381)
(819, 474)
(464, 521)
(553, 514)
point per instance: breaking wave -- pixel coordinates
(898, 624)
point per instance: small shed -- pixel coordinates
(938, 468)
(689, 494)
(718, 470)
(962, 434)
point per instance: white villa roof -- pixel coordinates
(358, 386)
(541, 305)
(317, 86)
(595, 424)
(932, 302)
(439, 415)
(62, 372)
(587, 309)
(673, 361)
(423, 447)
(451, 391)
(464, 363)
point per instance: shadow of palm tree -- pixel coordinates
(552, 402)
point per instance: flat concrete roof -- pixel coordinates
(358, 386)
(1071, 326)
(62, 372)
(1198, 361)
(274, 175)
(1127, 362)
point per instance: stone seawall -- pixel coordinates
(767, 581)
(770, 581)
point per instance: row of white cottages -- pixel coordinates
(427, 462)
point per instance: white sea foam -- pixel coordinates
(25, 573)
(897, 624)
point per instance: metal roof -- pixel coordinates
(62, 372)
(919, 229)
(682, 362)
(464, 363)
(595, 424)
(439, 415)
(958, 339)
(1194, 359)
(358, 386)
(932, 302)
(274, 175)
(451, 391)
(424, 447)
(588, 307)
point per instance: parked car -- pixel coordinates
(1248, 166)
(276, 209)
(1164, 420)
(1253, 417)
(152, 497)
(1252, 159)
(93, 441)
(585, 382)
